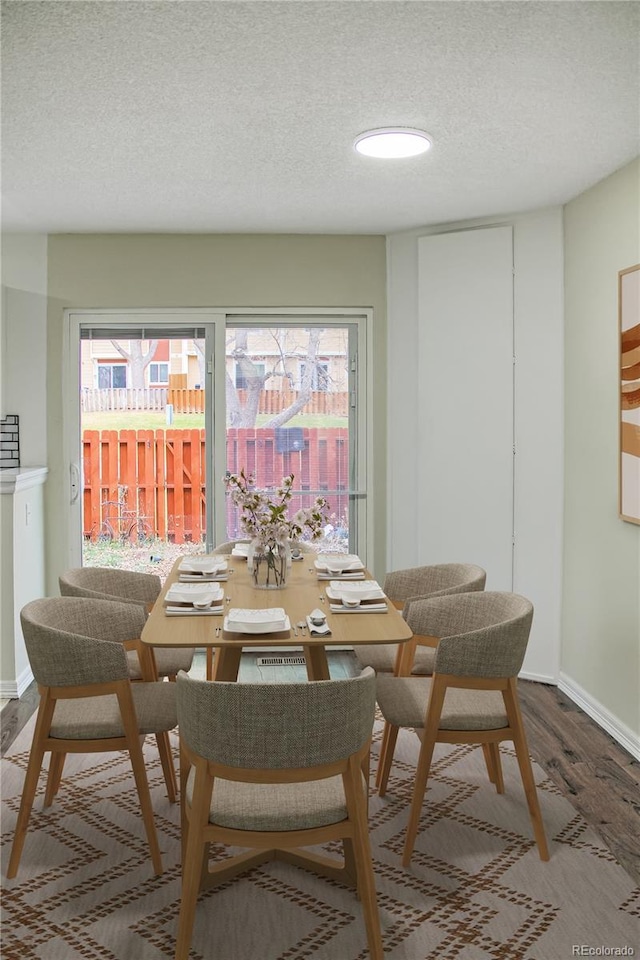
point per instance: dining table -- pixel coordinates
(305, 590)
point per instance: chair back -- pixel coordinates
(276, 726)
(482, 634)
(432, 581)
(109, 583)
(72, 641)
(227, 546)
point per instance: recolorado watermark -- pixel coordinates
(584, 950)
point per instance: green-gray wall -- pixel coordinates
(129, 271)
(600, 656)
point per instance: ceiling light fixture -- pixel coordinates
(392, 142)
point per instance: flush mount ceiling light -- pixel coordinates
(392, 142)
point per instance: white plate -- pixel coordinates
(359, 575)
(202, 565)
(192, 611)
(339, 562)
(355, 592)
(241, 550)
(203, 577)
(247, 620)
(194, 593)
(367, 608)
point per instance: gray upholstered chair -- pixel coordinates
(404, 586)
(471, 698)
(275, 766)
(87, 701)
(127, 586)
(226, 547)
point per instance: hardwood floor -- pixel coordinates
(600, 779)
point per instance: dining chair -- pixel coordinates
(404, 586)
(227, 546)
(128, 586)
(88, 703)
(471, 698)
(275, 767)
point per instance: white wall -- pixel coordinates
(23, 340)
(538, 332)
(23, 365)
(601, 610)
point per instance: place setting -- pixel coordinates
(364, 597)
(347, 566)
(256, 621)
(193, 599)
(202, 569)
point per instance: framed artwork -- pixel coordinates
(629, 315)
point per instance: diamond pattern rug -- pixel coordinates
(476, 887)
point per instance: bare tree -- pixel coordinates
(243, 412)
(137, 360)
(304, 394)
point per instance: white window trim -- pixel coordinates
(366, 500)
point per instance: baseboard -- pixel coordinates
(620, 732)
(13, 689)
(538, 677)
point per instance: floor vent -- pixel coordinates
(280, 661)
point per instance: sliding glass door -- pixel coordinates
(165, 404)
(291, 404)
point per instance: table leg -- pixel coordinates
(227, 663)
(317, 665)
(147, 661)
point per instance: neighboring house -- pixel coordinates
(179, 364)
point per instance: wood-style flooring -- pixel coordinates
(598, 776)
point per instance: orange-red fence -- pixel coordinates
(152, 482)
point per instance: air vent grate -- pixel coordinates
(281, 661)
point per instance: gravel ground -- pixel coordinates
(156, 556)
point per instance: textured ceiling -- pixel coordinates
(240, 117)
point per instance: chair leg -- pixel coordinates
(361, 846)
(387, 748)
(56, 765)
(166, 759)
(429, 736)
(132, 735)
(419, 790)
(524, 762)
(491, 753)
(494, 750)
(193, 864)
(43, 724)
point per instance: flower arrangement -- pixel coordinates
(264, 519)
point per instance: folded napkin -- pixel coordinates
(342, 576)
(362, 608)
(202, 565)
(193, 611)
(203, 577)
(318, 629)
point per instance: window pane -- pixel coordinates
(119, 374)
(289, 413)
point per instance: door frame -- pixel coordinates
(215, 321)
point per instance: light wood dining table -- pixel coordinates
(303, 592)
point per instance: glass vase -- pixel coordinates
(270, 567)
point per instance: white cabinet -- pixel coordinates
(22, 566)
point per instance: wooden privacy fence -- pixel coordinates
(151, 483)
(271, 402)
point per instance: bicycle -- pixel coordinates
(126, 526)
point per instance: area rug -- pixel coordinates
(475, 889)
